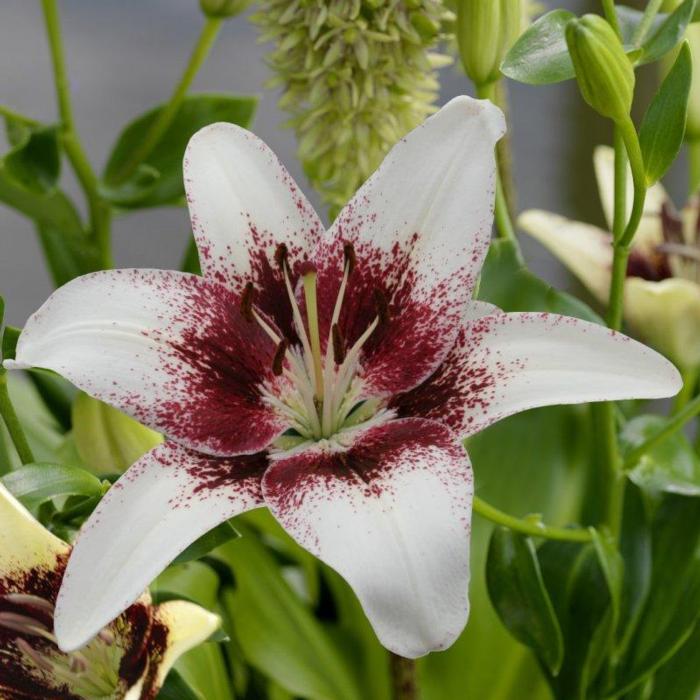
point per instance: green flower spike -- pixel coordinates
(357, 75)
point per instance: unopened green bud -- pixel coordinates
(223, 8)
(604, 73)
(108, 441)
(486, 29)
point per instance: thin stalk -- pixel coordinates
(99, 210)
(156, 131)
(634, 153)
(694, 166)
(528, 527)
(14, 428)
(620, 209)
(690, 380)
(403, 677)
(650, 12)
(611, 15)
(675, 423)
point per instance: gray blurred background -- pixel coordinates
(124, 57)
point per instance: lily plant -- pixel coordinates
(329, 375)
(662, 288)
(128, 659)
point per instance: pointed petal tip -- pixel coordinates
(467, 109)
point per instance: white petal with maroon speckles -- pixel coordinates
(506, 363)
(420, 227)
(392, 516)
(170, 349)
(168, 499)
(243, 203)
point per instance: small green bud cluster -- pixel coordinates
(223, 8)
(604, 73)
(357, 75)
(485, 32)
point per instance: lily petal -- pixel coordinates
(392, 515)
(507, 363)
(25, 544)
(167, 348)
(649, 233)
(419, 227)
(666, 314)
(585, 250)
(243, 203)
(169, 498)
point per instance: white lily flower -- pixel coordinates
(128, 659)
(662, 289)
(328, 375)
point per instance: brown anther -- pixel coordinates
(278, 360)
(38, 658)
(107, 636)
(382, 306)
(350, 257)
(281, 255)
(338, 345)
(21, 623)
(247, 302)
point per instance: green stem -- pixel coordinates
(403, 677)
(620, 209)
(528, 527)
(165, 117)
(690, 380)
(694, 166)
(650, 12)
(14, 427)
(611, 15)
(673, 424)
(634, 154)
(99, 210)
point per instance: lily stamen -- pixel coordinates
(309, 281)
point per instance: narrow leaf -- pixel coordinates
(211, 540)
(669, 34)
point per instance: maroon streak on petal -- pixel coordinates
(171, 349)
(243, 203)
(169, 498)
(392, 515)
(505, 363)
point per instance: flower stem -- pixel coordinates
(694, 166)
(14, 427)
(529, 527)
(165, 118)
(690, 380)
(676, 422)
(99, 210)
(650, 12)
(403, 677)
(611, 15)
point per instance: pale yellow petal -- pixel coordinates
(583, 248)
(666, 315)
(24, 542)
(649, 233)
(188, 625)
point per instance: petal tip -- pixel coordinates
(468, 109)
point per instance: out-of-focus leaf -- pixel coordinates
(671, 466)
(508, 284)
(679, 677)
(35, 162)
(629, 18)
(10, 336)
(662, 129)
(177, 688)
(540, 55)
(190, 260)
(210, 540)
(68, 255)
(35, 484)
(520, 598)
(669, 33)
(672, 606)
(193, 580)
(158, 181)
(278, 633)
(56, 393)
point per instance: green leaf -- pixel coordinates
(662, 129)
(158, 181)
(671, 466)
(508, 284)
(211, 540)
(194, 581)
(190, 260)
(35, 484)
(518, 594)
(278, 633)
(628, 18)
(35, 162)
(57, 393)
(10, 336)
(541, 56)
(679, 677)
(669, 33)
(67, 254)
(176, 688)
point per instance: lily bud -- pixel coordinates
(485, 32)
(223, 8)
(108, 441)
(604, 73)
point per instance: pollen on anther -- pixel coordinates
(281, 255)
(278, 360)
(338, 345)
(247, 302)
(350, 257)
(382, 306)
